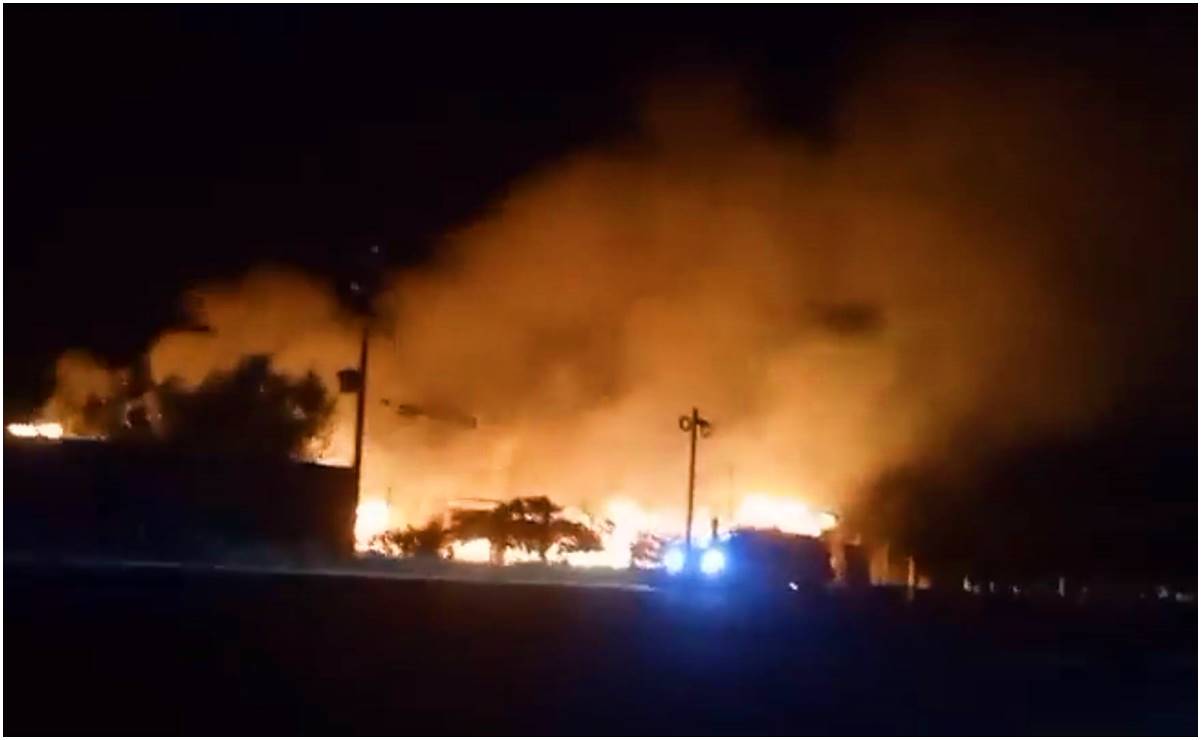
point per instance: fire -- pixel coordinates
(473, 551)
(764, 511)
(480, 551)
(373, 516)
(628, 521)
(621, 524)
(41, 429)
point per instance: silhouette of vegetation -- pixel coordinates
(540, 527)
(647, 549)
(250, 410)
(533, 524)
(495, 525)
(428, 541)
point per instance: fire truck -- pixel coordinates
(752, 559)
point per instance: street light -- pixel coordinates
(693, 424)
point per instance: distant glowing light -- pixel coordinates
(45, 430)
(713, 561)
(674, 560)
(372, 517)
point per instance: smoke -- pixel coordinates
(970, 248)
(78, 378)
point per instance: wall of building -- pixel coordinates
(77, 496)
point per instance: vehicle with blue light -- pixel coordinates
(752, 559)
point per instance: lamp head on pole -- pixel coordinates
(703, 426)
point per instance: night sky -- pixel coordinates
(151, 148)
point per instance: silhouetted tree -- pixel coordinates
(647, 549)
(427, 541)
(537, 528)
(250, 410)
(497, 525)
(574, 537)
(124, 414)
(534, 524)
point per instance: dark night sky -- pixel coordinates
(149, 148)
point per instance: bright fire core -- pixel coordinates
(627, 522)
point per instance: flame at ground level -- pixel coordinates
(372, 517)
(621, 523)
(473, 551)
(43, 429)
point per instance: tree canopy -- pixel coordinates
(250, 410)
(533, 524)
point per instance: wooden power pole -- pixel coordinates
(694, 425)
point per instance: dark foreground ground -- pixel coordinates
(165, 652)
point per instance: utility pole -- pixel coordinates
(693, 424)
(361, 292)
(360, 417)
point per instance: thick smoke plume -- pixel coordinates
(964, 251)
